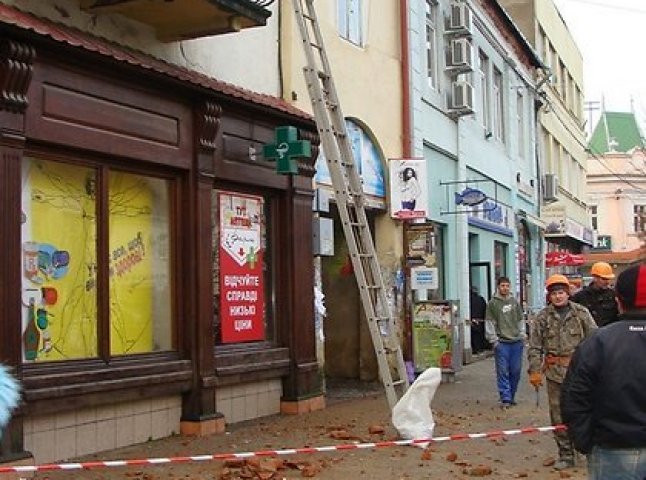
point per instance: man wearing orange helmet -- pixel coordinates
(554, 335)
(599, 296)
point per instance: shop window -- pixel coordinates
(140, 280)
(524, 265)
(60, 224)
(242, 274)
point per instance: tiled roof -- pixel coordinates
(624, 257)
(79, 39)
(616, 132)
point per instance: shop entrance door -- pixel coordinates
(480, 277)
(348, 346)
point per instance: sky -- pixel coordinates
(610, 36)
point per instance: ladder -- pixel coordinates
(350, 199)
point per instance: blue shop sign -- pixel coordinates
(492, 216)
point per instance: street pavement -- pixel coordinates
(358, 414)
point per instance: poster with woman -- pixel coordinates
(408, 188)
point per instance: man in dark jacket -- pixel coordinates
(478, 309)
(603, 399)
(599, 297)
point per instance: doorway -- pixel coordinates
(349, 353)
(480, 277)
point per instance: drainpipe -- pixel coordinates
(407, 140)
(462, 250)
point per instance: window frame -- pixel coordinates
(350, 21)
(639, 218)
(498, 100)
(102, 165)
(520, 120)
(271, 206)
(431, 44)
(484, 80)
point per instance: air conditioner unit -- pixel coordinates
(460, 19)
(460, 55)
(550, 187)
(461, 101)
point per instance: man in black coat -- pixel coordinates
(599, 296)
(603, 398)
(478, 309)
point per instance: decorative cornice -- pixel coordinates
(16, 68)
(208, 125)
(307, 166)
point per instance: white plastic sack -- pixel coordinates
(412, 415)
(9, 396)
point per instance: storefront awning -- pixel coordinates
(533, 219)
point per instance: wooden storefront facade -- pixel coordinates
(86, 126)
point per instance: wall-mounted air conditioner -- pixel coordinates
(461, 101)
(460, 55)
(460, 19)
(550, 187)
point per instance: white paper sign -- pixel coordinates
(424, 278)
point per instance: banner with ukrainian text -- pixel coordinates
(242, 302)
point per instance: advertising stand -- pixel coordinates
(436, 337)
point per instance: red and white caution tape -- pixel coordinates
(273, 453)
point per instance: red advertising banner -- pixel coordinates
(242, 299)
(558, 259)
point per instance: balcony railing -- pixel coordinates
(183, 19)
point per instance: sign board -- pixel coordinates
(559, 225)
(242, 301)
(432, 335)
(563, 259)
(367, 158)
(424, 278)
(408, 189)
(493, 216)
(604, 242)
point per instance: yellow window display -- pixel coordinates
(140, 297)
(59, 320)
(59, 256)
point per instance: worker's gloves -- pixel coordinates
(536, 379)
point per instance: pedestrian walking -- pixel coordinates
(556, 331)
(505, 330)
(478, 309)
(599, 296)
(604, 394)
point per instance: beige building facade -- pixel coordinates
(362, 42)
(562, 144)
(618, 200)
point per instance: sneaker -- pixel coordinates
(564, 463)
(513, 403)
(505, 405)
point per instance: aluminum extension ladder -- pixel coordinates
(350, 202)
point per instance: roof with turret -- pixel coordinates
(616, 132)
